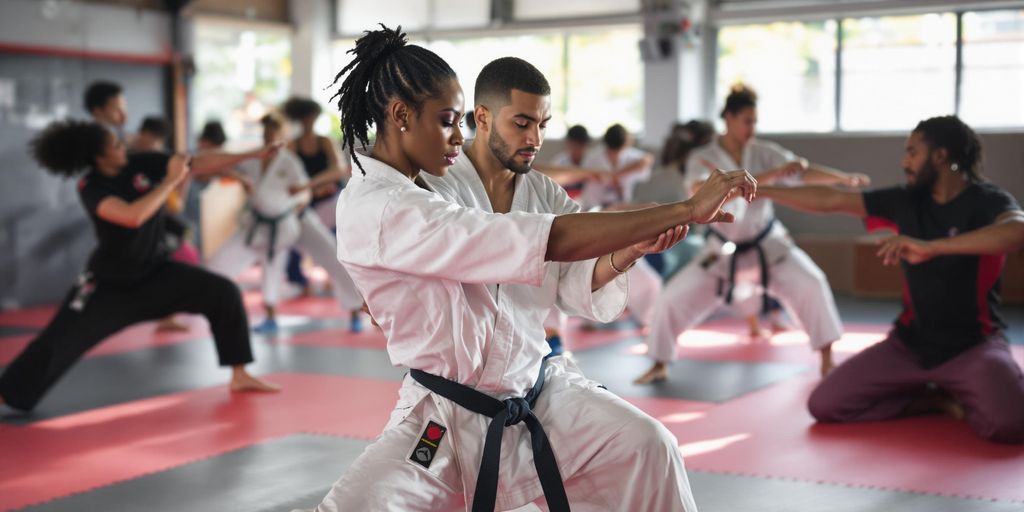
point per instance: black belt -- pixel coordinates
(259, 219)
(503, 413)
(742, 247)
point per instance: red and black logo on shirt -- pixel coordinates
(141, 182)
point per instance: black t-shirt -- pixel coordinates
(950, 303)
(126, 253)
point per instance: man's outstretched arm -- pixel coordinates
(816, 199)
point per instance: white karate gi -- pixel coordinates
(692, 293)
(271, 198)
(596, 194)
(644, 282)
(564, 159)
(462, 293)
(556, 319)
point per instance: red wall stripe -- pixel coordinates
(53, 51)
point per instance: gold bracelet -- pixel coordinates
(611, 262)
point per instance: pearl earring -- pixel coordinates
(954, 167)
(402, 128)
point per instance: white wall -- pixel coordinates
(85, 27)
(673, 86)
(45, 237)
(311, 48)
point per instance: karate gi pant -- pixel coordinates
(611, 455)
(314, 239)
(644, 288)
(324, 210)
(882, 380)
(692, 294)
(110, 307)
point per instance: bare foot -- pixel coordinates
(243, 381)
(952, 408)
(827, 364)
(776, 323)
(169, 324)
(935, 401)
(753, 326)
(657, 373)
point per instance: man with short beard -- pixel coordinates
(512, 109)
(947, 351)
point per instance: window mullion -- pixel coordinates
(959, 72)
(839, 74)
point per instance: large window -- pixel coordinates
(596, 75)
(355, 16)
(468, 56)
(893, 70)
(241, 73)
(605, 80)
(546, 9)
(792, 66)
(897, 71)
(992, 87)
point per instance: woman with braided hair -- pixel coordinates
(461, 293)
(129, 277)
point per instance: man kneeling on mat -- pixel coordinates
(947, 351)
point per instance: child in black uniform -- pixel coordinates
(129, 278)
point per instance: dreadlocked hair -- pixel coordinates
(385, 67)
(67, 147)
(961, 143)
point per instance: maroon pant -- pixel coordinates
(881, 381)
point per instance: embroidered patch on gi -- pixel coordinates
(426, 448)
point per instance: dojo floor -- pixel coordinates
(145, 422)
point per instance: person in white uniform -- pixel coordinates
(626, 167)
(460, 293)
(756, 248)
(566, 168)
(274, 221)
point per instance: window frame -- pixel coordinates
(502, 23)
(712, 65)
(565, 33)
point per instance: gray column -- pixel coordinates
(674, 68)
